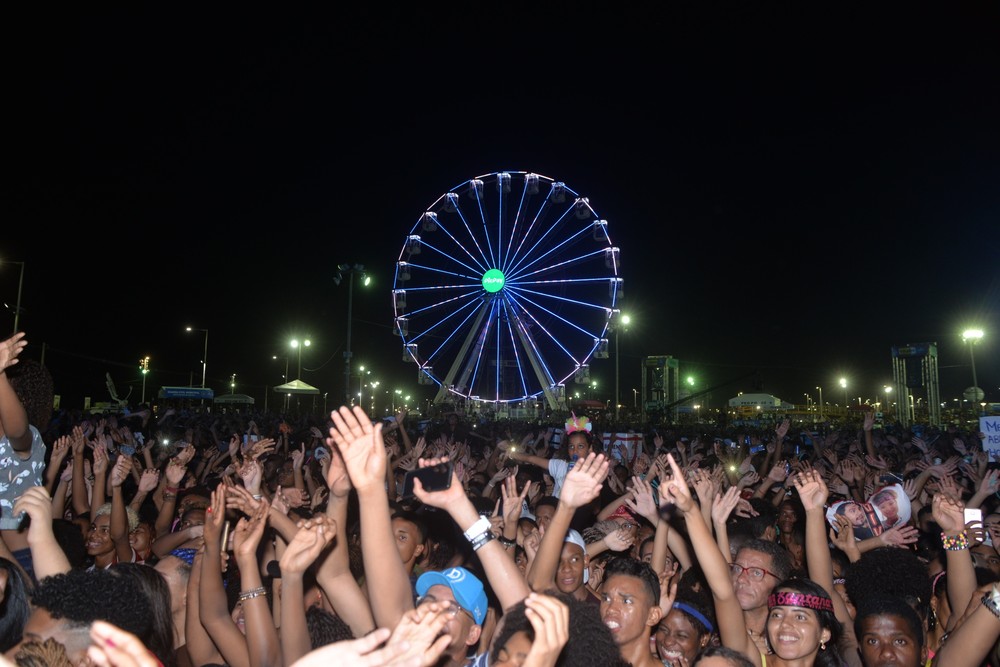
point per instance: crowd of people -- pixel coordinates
(185, 538)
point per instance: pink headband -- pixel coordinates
(786, 599)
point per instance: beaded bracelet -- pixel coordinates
(959, 542)
(252, 593)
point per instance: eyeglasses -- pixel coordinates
(754, 573)
(452, 608)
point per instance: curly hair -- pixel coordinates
(325, 627)
(84, 596)
(590, 640)
(892, 605)
(889, 571)
(32, 382)
(160, 639)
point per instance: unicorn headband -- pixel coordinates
(574, 424)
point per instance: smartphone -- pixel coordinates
(757, 449)
(432, 478)
(974, 515)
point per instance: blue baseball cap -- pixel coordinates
(464, 585)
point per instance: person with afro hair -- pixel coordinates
(65, 605)
(889, 571)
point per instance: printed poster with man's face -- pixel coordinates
(888, 507)
(865, 517)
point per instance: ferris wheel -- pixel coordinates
(505, 289)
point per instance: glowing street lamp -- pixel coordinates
(972, 336)
(623, 321)
(144, 369)
(298, 345)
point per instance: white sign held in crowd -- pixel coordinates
(991, 427)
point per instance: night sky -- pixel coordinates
(793, 192)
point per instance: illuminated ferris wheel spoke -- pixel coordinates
(472, 236)
(586, 304)
(514, 347)
(544, 330)
(479, 261)
(438, 304)
(562, 264)
(534, 261)
(514, 226)
(471, 371)
(529, 253)
(433, 328)
(534, 354)
(478, 269)
(567, 322)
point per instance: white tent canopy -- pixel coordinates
(296, 387)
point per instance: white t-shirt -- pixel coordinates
(17, 475)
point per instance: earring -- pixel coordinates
(822, 645)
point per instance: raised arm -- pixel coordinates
(501, 571)
(813, 493)
(949, 514)
(312, 538)
(47, 556)
(732, 626)
(361, 446)
(583, 483)
(334, 573)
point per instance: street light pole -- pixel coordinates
(204, 359)
(299, 345)
(623, 322)
(843, 383)
(350, 270)
(820, 402)
(971, 336)
(144, 369)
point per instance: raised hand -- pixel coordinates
(251, 472)
(723, 505)
(812, 489)
(149, 480)
(120, 471)
(361, 445)
(249, 531)
(311, 539)
(900, 535)
(100, 458)
(37, 504)
(583, 483)
(419, 634)
(782, 430)
(676, 489)
(512, 500)
(336, 475)
(549, 618)
(261, 448)
(10, 349)
(440, 499)
(842, 533)
(641, 500)
(948, 512)
(619, 539)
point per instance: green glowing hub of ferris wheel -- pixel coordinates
(493, 280)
